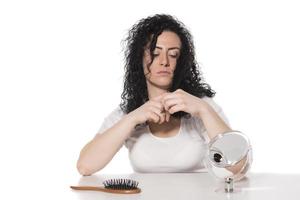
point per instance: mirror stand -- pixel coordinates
(228, 185)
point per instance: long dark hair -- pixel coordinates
(186, 75)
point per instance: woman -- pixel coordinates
(167, 113)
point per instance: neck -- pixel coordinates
(154, 91)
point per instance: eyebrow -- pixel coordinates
(168, 48)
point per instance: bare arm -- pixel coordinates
(97, 153)
(215, 125)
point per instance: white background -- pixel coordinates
(61, 73)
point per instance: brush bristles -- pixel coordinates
(120, 184)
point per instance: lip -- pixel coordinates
(164, 73)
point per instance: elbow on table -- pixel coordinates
(85, 170)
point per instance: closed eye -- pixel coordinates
(174, 56)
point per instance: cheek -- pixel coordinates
(146, 59)
(173, 64)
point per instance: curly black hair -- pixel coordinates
(186, 75)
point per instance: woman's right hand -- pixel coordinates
(151, 111)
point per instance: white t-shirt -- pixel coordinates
(183, 152)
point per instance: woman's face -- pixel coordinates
(164, 62)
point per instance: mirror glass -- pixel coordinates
(229, 156)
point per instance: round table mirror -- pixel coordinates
(229, 157)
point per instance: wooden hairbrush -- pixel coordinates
(118, 186)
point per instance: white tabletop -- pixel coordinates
(196, 186)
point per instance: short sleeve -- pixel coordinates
(110, 120)
(218, 110)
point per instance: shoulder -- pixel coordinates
(194, 121)
(217, 108)
(112, 118)
(212, 102)
(117, 111)
(116, 114)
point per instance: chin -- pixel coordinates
(161, 83)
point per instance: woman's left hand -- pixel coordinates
(182, 101)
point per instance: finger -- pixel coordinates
(163, 118)
(170, 96)
(159, 113)
(168, 116)
(171, 102)
(176, 108)
(153, 117)
(158, 105)
(156, 110)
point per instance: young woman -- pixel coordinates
(167, 114)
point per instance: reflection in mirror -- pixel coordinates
(229, 157)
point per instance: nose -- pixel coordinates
(164, 60)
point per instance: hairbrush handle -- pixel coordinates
(102, 189)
